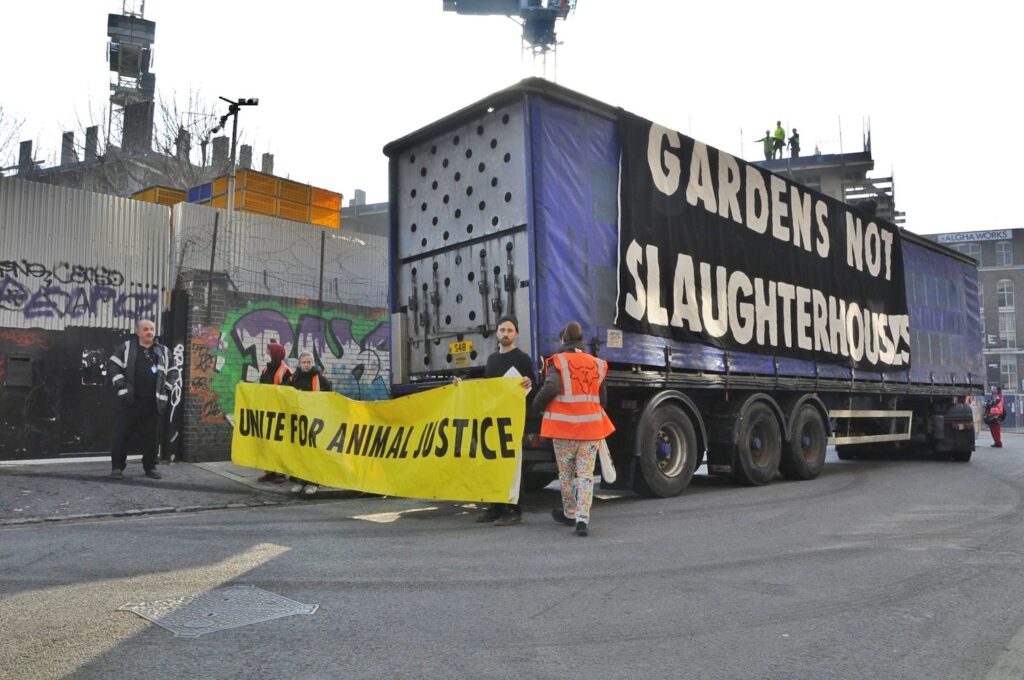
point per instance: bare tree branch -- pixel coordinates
(10, 129)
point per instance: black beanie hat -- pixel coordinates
(510, 319)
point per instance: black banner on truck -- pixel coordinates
(715, 250)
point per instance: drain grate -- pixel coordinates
(221, 609)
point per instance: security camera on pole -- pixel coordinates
(233, 107)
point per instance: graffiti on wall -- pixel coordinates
(204, 363)
(70, 291)
(24, 338)
(350, 349)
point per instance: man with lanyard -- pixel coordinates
(139, 372)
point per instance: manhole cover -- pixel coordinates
(231, 607)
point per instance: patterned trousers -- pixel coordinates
(576, 459)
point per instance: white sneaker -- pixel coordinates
(297, 488)
(311, 489)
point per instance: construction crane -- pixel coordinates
(537, 17)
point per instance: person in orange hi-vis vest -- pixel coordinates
(276, 373)
(307, 378)
(572, 401)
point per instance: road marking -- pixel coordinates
(388, 517)
(81, 620)
(101, 458)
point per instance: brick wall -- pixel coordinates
(227, 339)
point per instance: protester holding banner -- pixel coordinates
(508, 361)
(572, 400)
(307, 378)
(276, 373)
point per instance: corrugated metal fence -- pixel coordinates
(274, 257)
(73, 258)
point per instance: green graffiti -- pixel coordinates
(347, 344)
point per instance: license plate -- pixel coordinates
(463, 347)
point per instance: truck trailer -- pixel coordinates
(747, 320)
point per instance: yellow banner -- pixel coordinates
(458, 442)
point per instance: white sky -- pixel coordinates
(939, 81)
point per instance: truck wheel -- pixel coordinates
(804, 457)
(668, 453)
(758, 446)
(961, 456)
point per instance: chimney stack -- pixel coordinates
(267, 165)
(220, 153)
(137, 136)
(68, 155)
(92, 136)
(245, 157)
(183, 145)
(25, 164)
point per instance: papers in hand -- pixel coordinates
(512, 373)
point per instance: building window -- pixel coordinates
(1004, 253)
(971, 250)
(981, 303)
(1008, 329)
(1008, 372)
(1004, 294)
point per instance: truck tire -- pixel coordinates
(758, 446)
(961, 456)
(668, 453)
(804, 457)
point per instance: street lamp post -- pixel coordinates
(233, 107)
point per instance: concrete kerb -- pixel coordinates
(65, 477)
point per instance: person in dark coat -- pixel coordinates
(307, 378)
(141, 373)
(276, 373)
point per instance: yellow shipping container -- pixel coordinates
(255, 202)
(253, 181)
(326, 199)
(220, 186)
(293, 191)
(291, 210)
(161, 195)
(325, 217)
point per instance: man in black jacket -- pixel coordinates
(139, 372)
(509, 360)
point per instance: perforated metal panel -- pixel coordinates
(461, 239)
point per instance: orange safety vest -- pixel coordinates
(576, 413)
(279, 375)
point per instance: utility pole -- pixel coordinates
(233, 107)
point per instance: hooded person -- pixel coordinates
(276, 373)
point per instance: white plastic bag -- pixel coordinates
(607, 467)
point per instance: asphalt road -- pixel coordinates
(878, 569)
